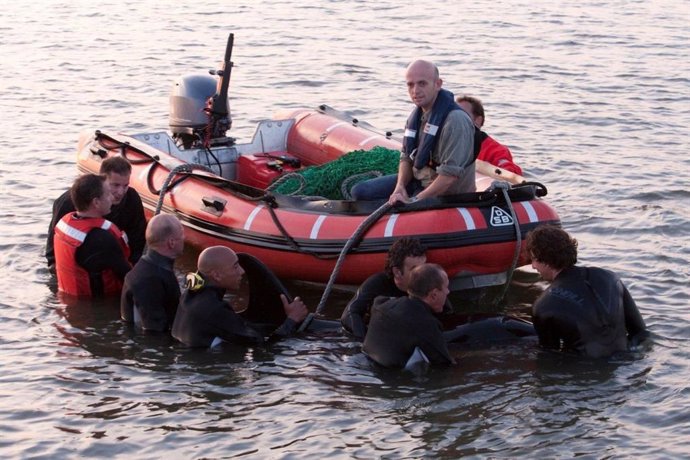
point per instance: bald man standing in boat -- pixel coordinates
(204, 319)
(437, 155)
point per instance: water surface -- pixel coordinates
(594, 100)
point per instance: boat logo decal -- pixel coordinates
(499, 217)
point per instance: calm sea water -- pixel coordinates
(593, 97)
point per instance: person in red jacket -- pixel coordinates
(90, 252)
(127, 211)
(491, 151)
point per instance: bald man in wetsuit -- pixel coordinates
(204, 319)
(585, 310)
(151, 293)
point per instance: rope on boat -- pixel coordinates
(363, 227)
(504, 186)
(186, 168)
(284, 178)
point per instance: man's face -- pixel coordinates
(231, 274)
(118, 186)
(545, 271)
(441, 295)
(178, 241)
(402, 276)
(422, 85)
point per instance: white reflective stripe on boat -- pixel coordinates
(71, 231)
(531, 212)
(250, 219)
(335, 125)
(368, 139)
(390, 225)
(317, 226)
(144, 173)
(469, 220)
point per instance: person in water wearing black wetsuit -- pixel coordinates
(203, 318)
(587, 310)
(399, 326)
(151, 293)
(403, 256)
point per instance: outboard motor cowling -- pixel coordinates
(190, 100)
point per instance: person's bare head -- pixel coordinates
(423, 83)
(429, 282)
(220, 265)
(165, 235)
(405, 254)
(474, 108)
(117, 172)
(91, 195)
(551, 249)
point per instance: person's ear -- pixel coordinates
(215, 275)
(480, 121)
(397, 273)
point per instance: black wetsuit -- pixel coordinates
(589, 311)
(203, 315)
(128, 215)
(356, 315)
(153, 287)
(399, 325)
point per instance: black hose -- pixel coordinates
(376, 215)
(187, 168)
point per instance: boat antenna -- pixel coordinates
(220, 118)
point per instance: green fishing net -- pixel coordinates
(335, 179)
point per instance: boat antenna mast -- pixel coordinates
(218, 109)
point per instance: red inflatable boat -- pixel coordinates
(476, 237)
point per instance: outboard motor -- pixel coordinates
(189, 115)
(199, 107)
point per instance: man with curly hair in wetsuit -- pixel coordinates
(586, 310)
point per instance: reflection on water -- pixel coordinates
(592, 99)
